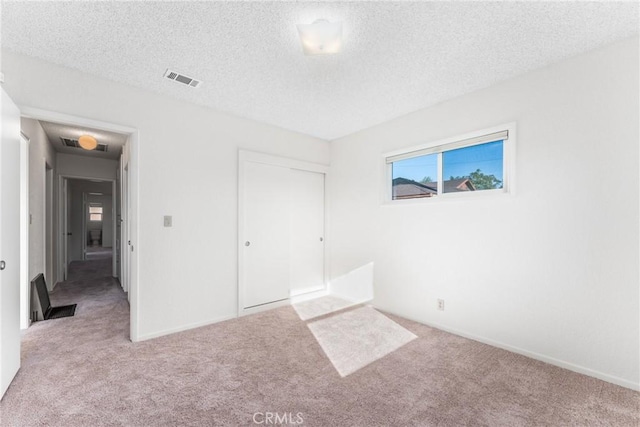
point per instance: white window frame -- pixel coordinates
(96, 205)
(459, 141)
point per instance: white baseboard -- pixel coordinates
(304, 291)
(183, 328)
(366, 300)
(533, 355)
(309, 296)
(264, 307)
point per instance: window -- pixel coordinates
(95, 212)
(474, 168)
(475, 163)
(415, 177)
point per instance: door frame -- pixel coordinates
(47, 236)
(132, 147)
(85, 213)
(63, 219)
(86, 203)
(25, 221)
(63, 215)
(63, 227)
(114, 231)
(125, 236)
(245, 156)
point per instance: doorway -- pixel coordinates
(57, 241)
(90, 219)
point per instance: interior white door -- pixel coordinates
(9, 242)
(124, 228)
(307, 231)
(266, 234)
(85, 220)
(65, 227)
(127, 222)
(48, 237)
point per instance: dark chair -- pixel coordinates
(49, 312)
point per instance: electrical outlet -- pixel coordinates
(168, 221)
(441, 304)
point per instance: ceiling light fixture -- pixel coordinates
(87, 142)
(321, 38)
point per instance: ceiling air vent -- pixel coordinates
(68, 142)
(181, 78)
(73, 143)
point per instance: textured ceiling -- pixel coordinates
(114, 141)
(397, 57)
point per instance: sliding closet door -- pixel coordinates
(266, 233)
(307, 231)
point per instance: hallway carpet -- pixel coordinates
(98, 252)
(84, 371)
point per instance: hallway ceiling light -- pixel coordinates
(87, 142)
(321, 38)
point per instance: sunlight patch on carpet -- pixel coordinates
(356, 338)
(320, 306)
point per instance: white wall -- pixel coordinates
(86, 167)
(551, 271)
(40, 153)
(188, 161)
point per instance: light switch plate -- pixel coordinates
(168, 221)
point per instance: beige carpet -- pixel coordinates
(356, 338)
(83, 371)
(98, 252)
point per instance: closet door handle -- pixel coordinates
(247, 243)
(322, 239)
(3, 265)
